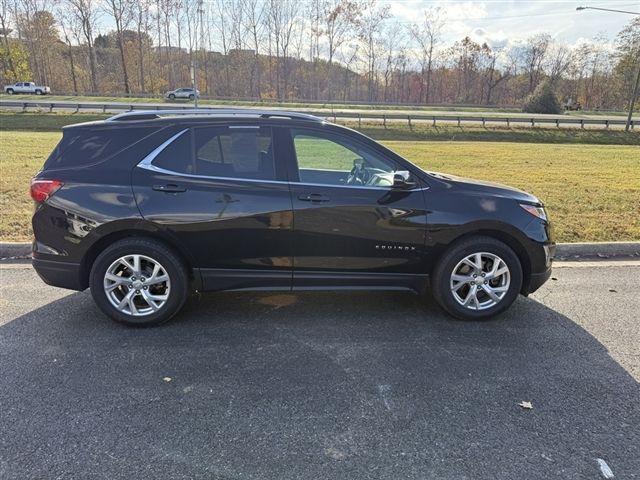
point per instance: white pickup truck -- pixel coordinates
(26, 87)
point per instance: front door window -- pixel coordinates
(327, 159)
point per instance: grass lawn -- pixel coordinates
(592, 192)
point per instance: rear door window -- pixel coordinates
(81, 146)
(243, 153)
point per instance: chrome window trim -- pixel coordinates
(151, 156)
(147, 164)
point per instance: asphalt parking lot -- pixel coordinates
(323, 386)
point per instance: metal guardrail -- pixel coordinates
(533, 120)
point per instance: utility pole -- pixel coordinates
(194, 67)
(634, 98)
(634, 95)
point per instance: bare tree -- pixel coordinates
(494, 76)
(341, 17)
(392, 38)
(141, 13)
(559, 58)
(281, 18)
(121, 12)
(535, 54)
(86, 13)
(371, 22)
(427, 35)
(254, 11)
(69, 26)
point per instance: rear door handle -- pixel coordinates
(169, 188)
(313, 197)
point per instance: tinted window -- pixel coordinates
(177, 155)
(336, 160)
(81, 146)
(221, 152)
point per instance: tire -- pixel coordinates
(172, 96)
(10, 91)
(38, 92)
(168, 295)
(503, 285)
(192, 97)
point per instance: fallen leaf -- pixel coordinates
(525, 404)
(167, 379)
(613, 291)
(554, 278)
(334, 453)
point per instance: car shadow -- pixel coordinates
(314, 385)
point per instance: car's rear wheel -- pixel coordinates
(38, 92)
(139, 282)
(192, 96)
(477, 278)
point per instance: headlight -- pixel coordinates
(535, 211)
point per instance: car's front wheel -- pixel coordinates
(172, 96)
(139, 282)
(9, 91)
(477, 278)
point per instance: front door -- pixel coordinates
(351, 227)
(219, 191)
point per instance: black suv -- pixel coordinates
(146, 206)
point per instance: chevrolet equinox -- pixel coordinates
(144, 207)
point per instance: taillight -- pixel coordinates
(41, 190)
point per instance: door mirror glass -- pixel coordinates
(402, 179)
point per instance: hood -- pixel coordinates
(485, 188)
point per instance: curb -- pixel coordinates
(15, 250)
(569, 251)
(564, 251)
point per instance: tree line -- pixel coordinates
(325, 50)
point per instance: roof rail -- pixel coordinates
(222, 112)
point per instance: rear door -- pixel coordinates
(352, 228)
(220, 191)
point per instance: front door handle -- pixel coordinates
(313, 197)
(169, 188)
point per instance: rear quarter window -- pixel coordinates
(80, 147)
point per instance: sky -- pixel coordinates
(502, 22)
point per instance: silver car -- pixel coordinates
(189, 93)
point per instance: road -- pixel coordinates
(324, 386)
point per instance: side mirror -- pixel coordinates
(402, 180)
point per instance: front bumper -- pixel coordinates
(537, 279)
(59, 274)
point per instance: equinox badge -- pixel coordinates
(405, 248)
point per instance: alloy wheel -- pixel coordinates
(137, 285)
(480, 281)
